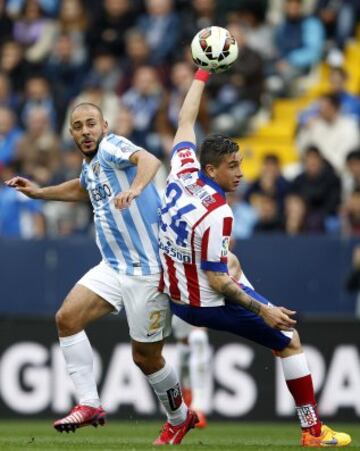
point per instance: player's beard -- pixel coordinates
(90, 153)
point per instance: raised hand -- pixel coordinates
(25, 186)
(124, 199)
(278, 317)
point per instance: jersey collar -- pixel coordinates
(212, 183)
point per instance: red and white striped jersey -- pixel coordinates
(195, 229)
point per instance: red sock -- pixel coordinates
(302, 391)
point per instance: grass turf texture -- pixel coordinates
(138, 435)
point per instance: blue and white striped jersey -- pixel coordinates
(127, 239)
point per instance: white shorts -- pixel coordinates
(147, 309)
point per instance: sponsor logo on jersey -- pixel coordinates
(181, 255)
(96, 168)
(225, 246)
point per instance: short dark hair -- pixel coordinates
(333, 99)
(87, 105)
(313, 149)
(213, 149)
(353, 155)
(271, 158)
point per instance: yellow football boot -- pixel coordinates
(327, 439)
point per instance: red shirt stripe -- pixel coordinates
(204, 245)
(192, 282)
(173, 280)
(227, 226)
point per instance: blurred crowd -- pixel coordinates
(132, 58)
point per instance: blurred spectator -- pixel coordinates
(7, 97)
(105, 66)
(350, 214)
(94, 93)
(125, 126)
(294, 214)
(67, 218)
(339, 18)
(143, 99)
(202, 14)
(34, 31)
(269, 216)
(166, 121)
(10, 134)
(238, 91)
(353, 279)
(73, 20)
(270, 182)
(14, 65)
(137, 54)
(351, 179)
(6, 24)
(38, 93)
(299, 42)
(160, 26)
(259, 34)
(20, 217)
(333, 133)
(50, 7)
(108, 29)
(320, 188)
(349, 103)
(245, 216)
(38, 152)
(65, 74)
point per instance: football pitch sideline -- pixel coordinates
(138, 435)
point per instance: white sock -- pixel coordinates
(295, 366)
(199, 364)
(183, 351)
(78, 356)
(167, 388)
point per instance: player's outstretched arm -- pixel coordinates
(147, 166)
(190, 109)
(277, 317)
(70, 191)
(234, 267)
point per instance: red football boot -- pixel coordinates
(172, 435)
(81, 416)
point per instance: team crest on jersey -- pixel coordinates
(225, 246)
(96, 168)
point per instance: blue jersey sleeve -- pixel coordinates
(115, 151)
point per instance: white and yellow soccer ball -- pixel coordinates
(214, 49)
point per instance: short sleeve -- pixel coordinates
(116, 151)
(183, 158)
(215, 242)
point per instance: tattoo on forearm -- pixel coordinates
(236, 295)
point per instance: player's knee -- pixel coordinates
(66, 322)
(294, 347)
(148, 360)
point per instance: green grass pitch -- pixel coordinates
(138, 435)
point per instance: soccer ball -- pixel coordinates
(214, 49)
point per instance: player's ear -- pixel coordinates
(210, 170)
(105, 126)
